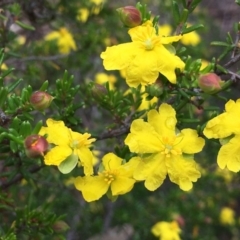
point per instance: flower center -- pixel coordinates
(169, 148)
(148, 44)
(109, 176)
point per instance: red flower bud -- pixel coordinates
(35, 146)
(210, 83)
(130, 16)
(41, 100)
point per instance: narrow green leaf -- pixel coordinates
(25, 26)
(14, 85)
(176, 12)
(218, 43)
(192, 28)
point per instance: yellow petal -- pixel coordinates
(119, 57)
(122, 185)
(182, 172)
(58, 133)
(167, 40)
(111, 161)
(229, 155)
(143, 69)
(190, 142)
(92, 188)
(143, 138)
(164, 121)
(86, 158)
(57, 154)
(152, 170)
(167, 63)
(128, 168)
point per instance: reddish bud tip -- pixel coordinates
(130, 16)
(41, 100)
(35, 146)
(210, 83)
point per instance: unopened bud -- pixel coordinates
(60, 226)
(130, 16)
(156, 89)
(41, 100)
(210, 83)
(35, 146)
(98, 91)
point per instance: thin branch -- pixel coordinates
(19, 177)
(232, 61)
(113, 133)
(39, 58)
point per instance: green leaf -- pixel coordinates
(237, 2)
(192, 28)
(176, 12)
(25, 26)
(68, 164)
(218, 43)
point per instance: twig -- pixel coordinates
(18, 177)
(113, 133)
(39, 58)
(232, 61)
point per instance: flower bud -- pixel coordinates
(130, 16)
(41, 100)
(35, 146)
(156, 89)
(210, 83)
(98, 91)
(60, 226)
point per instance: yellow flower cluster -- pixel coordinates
(161, 149)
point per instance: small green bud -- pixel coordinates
(156, 89)
(35, 146)
(98, 91)
(60, 226)
(210, 83)
(40, 100)
(130, 16)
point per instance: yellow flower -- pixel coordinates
(164, 150)
(191, 38)
(67, 144)
(102, 78)
(4, 66)
(166, 230)
(83, 14)
(64, 40)
(227, 216)
(144, 57)
(114, 175)
(98, 6)
(223, 126)
(165, 30)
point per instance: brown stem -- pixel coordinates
(19, 177)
